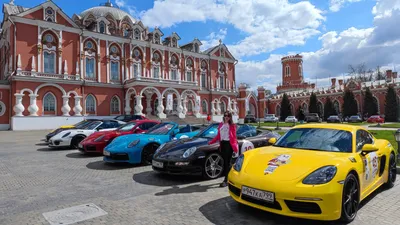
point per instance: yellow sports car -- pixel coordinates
(314, 171)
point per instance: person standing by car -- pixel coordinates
(226, 136)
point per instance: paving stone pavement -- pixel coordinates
(35, 179)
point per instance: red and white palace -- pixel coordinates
(299, 91)
(103, 62)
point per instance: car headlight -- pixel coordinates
(321, 176)
(99, 138)
(133, 143)
(239, 162)
(159, 148)
(66, 135)
(189, 152)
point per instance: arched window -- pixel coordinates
(115, 105)
(221, 82)
(203, 80)
(50, 15)
(204, 109)
(222, 106)
(90, 61)
(190, 106)
(196, 47)
(90, 104)
(137, 34)
(49, 104)
(157, 39)
(49, 53)
(114, 61)
(174, 67)
(137, 66)
(102, 28)
(156, 67)
(189, 66)
(175, 105)
(287, 71)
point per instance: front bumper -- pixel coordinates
(59, 142)
(175, 167)
(320, 202)
(92, 147)
(121, 157)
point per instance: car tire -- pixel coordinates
(350, 196)
(147, 154)
(76, 140)
(213, 166)
(391, 172)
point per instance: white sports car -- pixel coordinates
(72, 138)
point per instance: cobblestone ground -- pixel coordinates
(35, 180)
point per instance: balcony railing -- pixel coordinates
(161, 80)
(48, 75)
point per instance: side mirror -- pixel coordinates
(367, 148)
(272, 141)
(176, 131)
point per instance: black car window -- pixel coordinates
(120, 117)
(136, 117)
(185, 129)
(114, 124)
(362, 138)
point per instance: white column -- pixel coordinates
(128, 108)
(60, 55)
(229, 108)
(65, 70)
(138, 107)
(33, 64)
(33, 108)
(18, 108)
(160, 108)
(108, 64)
(78, 108)
(81, 58)
(180, 109)
(218, 108)
(148, 103)
(213, 111)
(98, 62)
(184, 102)
(19, 65)
(39, 65)
(65, 107)
(77, 76)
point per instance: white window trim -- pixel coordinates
(115, 60)
(54, 15)
(50, 51)
(139, 64)
(119, 105)
(55, 104)
(95, 105)
(193, 105)
(94, 66)
(3, 108)
(140, 34)
(203, 73)
(287, 71)
(189, 70)
(173, 68)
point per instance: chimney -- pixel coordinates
(394, 75)
(312, 85)
(340, 82)
(333, 80)
(388, 74)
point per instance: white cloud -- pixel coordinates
(120, 3)
(269, 24)
(213, 39)
(336, 5)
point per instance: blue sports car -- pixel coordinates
(140, 148)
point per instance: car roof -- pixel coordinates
(351, 128)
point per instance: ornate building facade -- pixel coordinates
(299, 92)
(103, 62)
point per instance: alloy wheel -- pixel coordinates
(214, 166)
(350, 204)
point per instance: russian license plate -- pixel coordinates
(158, 164)
(257, 194)
(106, 153)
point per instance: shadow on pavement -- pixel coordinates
(42, 144)
(187, 190)
(79, 155)
(48, 149)
(101, 165)
(157, 179)
(227, 211)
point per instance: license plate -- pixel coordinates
(106, 153)
(257, 194)
(158, 164)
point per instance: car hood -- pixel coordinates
(122, 142)
(182, 145)
(289, 164)
(94, 136)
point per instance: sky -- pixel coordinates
(329, 34)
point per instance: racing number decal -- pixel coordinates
(374, 163)
(247, 145)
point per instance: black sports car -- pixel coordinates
(193, 156)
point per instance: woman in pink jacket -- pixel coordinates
(226, 136)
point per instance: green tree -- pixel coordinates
(313, 108)
(300, 114)
(370, 104)
(391, 105)
(349, 104)
(328, 108)
(285, 107)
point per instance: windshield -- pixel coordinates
(209, 132)
(127, 127)
(162, 128)
(82, 124)
(92, 125)
(321, 139)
